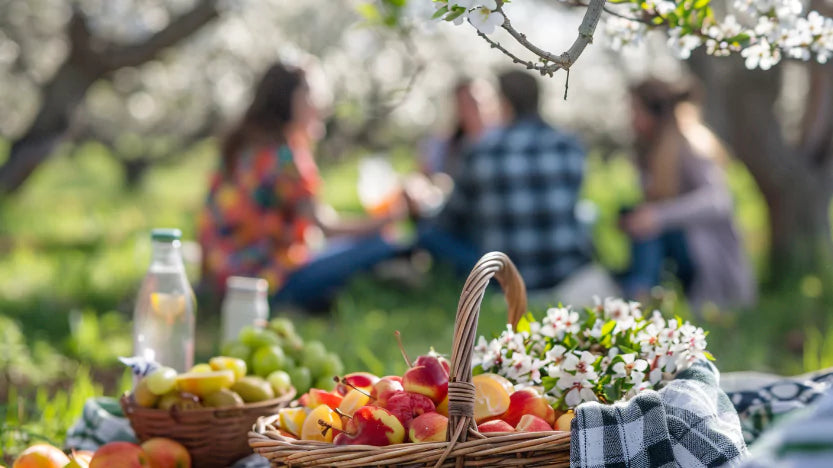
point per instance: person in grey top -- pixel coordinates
(686, 216)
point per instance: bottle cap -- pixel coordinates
(244, 284)
(165, 234)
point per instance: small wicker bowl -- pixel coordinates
(215, 437)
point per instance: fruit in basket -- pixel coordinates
(292, 419)
(528, 401)
(204, 383)
(312, 429)
(268, 359)
(301, 379)
(120, 455)
(166, 453)
(201, 367)
(442, 408)
(282, 326)
(563, 422)
(162, 380)
(532, 423)
(143, 396)
(495, 425)
(354, 400)
(41, 456)
(236, 365)
(280, 381)
(237, 350)
(361, 380)
(180, 400)
(322, 397)
(385, 388)
(428, 427)
(491, 398)
(371, 425)
(253, 389)
(222, 398)
(428, 377)
(407, 406)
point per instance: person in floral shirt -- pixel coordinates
(263, 203)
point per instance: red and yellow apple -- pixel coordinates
(120, 455)
(166, 453)
(532, 423)
(41, 456)
(495, 425)
(428, 377)
(371, 425)
(428, 427)
(528, 401)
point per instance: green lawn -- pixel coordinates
(74, 245)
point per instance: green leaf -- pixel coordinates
(439, 13)
(523, 323)
(455, 13)
(369, 12)
(608, 327)
(709, 356)
(549, 383)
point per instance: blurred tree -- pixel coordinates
(90, 56)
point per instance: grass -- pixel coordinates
(74, 246)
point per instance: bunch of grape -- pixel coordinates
(278, 347)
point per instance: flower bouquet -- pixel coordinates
(608, 353)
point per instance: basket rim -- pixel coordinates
(131, 407)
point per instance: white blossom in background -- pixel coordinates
(607, 353)
(762, 31)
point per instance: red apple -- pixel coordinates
(428, 377)
(384, 388)
(528, 401)
(41, 455)
(428, 427)
(531, 423)
(495, 425)
(372, 425)
(406, 406)
(166, 453)
(362, 380)
(120, 455)
(322, 397)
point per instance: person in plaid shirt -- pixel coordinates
(517, 193)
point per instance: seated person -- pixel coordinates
(263, 201)
(516, 193)
(687, 213)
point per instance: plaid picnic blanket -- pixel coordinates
(689, 423)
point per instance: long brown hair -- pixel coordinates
(677, 130)
(269, 113)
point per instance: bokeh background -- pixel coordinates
(109, 113)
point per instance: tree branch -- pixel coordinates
(178, 29)
(552, 62)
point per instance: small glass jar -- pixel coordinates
(245, 304)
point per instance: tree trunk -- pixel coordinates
(796, 184)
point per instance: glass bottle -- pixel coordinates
(245, 304)
(164, 317)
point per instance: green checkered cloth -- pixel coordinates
(689, 423)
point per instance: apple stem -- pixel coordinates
(402, 348)
(342, 381)
(343, 414)
(329, 427)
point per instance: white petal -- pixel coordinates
(573, 398)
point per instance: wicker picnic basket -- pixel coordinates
(215, 437)
(466, 447)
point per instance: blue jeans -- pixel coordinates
(314, 285)
(648, 257)
(449, 248)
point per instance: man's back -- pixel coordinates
(517, 193)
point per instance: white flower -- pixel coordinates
(486, 20)
(628, 365)
(582, 366)
(556, 354)
(580, 389)
(761, 55)
(665, 7)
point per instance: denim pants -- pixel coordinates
(648, 258)
(313, 285)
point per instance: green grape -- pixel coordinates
(282, 326)
(255, 337)
(325, 383)
(314, 356)
(301, 379)
(161, 381)
(268, 359)
(237, 350)
(332, 366)
(280, 382)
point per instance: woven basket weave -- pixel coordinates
(466, 447)
(215, 437)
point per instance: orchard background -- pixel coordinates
(93, 156)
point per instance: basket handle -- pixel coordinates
(460, 388)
